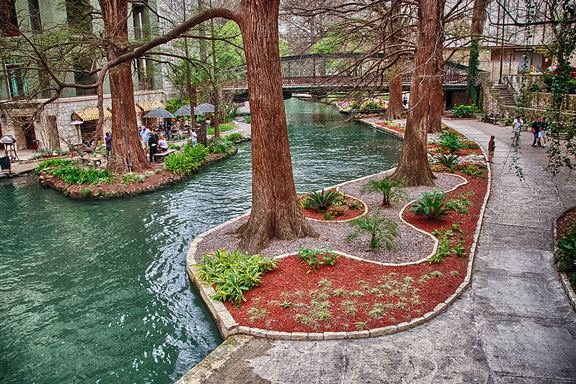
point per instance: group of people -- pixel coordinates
(153, 142)
(539, 130)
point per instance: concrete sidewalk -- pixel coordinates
(515, 325)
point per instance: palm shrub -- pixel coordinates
(449, 161)
(322, 200)
(450, 141)
(392, 190)
(431, 204)
(381, 229)
(233, 273)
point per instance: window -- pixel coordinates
(17, 81)
(35, 19)
(8, 18)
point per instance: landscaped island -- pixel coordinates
(76, 180)
(387, 270)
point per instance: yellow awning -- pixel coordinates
(88, 114)
(148, 106)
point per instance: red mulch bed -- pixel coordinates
(392, 128)
(373, 295)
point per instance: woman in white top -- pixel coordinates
(162, 144)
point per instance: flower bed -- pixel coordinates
(355, 295)
(350, 209)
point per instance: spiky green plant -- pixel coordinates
(431, 204)
(392, 190)
(381, 230)
(450, 160)
(323, 200)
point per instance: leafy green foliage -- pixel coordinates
(565, 255)
(72, 173)
(85, 192)
(465, 110)
(315, 258)
(219, 145)
(322, 200)
(460, 204)
(131, 178)
(431, 204)
(235, 137)
(472, 169)
(392, 190)
(190, 159)
(381, 230)
(450, 160)
(54, 162)
(233, 273)
(450, 141)
(222, 128)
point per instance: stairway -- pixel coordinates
(505, 96)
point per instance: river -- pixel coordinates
(96, 292)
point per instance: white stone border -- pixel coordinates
(229, 327)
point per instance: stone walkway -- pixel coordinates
(514, 326)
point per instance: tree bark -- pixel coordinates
(413, 166)
(275, 208)
(395, 104)
(437, 98)
(126, 153)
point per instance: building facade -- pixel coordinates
(24, 88)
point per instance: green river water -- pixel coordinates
(96, 292)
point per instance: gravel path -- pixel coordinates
(410, 244)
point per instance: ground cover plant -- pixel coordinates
(233, 273)
(382, 230)
(222, 128)
(565, 254)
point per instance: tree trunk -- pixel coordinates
(275, 208)
(126, 153)
(395, 104)
(413, 166)
(476, 31)
(437, 98)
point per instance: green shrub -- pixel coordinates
(54, 163)
(381, 230)
(174, 146)
(465, 110)
(219, 145)
(233, 273)
(392, 190)
(431, 204)
(190, 159)
(565, 255)
(472, 169)
(131, 178)
(451, 141)
(85, 192)
(460, 204)
(72, 173)
(235, 137)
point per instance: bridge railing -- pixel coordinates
(335, 81)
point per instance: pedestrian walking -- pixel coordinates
(108, 140)
(536, 131)
(516, 128)
(491, 147)
(543, 132)
(194, 137)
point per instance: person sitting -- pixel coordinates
(162, 144)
